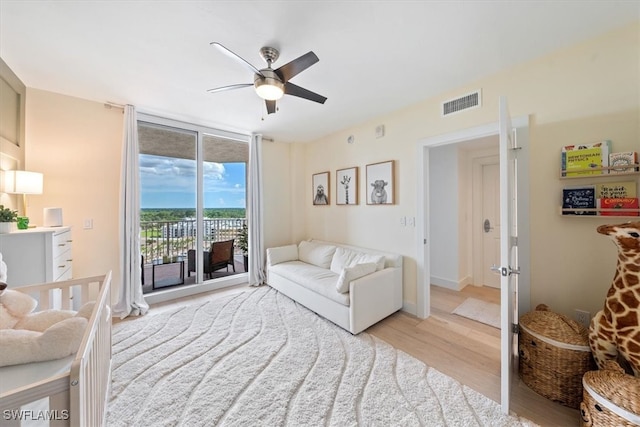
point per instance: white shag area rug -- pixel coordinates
(259, 359)
(480, 311)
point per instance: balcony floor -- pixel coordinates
(171, 272)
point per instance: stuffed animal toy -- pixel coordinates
(615, 330)
(35, 337)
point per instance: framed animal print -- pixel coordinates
(380, 183)
(347, 186)
(320, 188)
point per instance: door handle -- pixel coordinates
(505, 271)
(487, 226)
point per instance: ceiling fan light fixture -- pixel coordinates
(269, 89)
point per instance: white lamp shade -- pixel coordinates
(23, 182)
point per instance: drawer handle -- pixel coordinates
(69, 241)
(62, 266)
(62, 244)
(69, 260)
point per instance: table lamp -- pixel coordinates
(23, 182)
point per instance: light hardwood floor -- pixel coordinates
(461, 348)
(468, 351)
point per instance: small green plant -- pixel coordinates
(243, 239)
(7, 215)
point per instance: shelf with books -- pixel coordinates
(601, 172)
(606, 198)
(607, 181)
(601, 212)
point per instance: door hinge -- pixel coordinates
(515, 328)
(514, 240)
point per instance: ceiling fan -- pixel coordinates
(271, 84)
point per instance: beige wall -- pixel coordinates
(76, 144)
(583, 94)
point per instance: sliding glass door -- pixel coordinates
(193, 203)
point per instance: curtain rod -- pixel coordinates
(110, 104)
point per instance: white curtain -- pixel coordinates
(254, 213)
(131, 302)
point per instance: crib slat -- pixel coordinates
(45, 302)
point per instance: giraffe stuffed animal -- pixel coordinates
(615, 330)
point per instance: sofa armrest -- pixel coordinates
(282, 254)
(374, 297)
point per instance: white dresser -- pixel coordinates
(37, 255)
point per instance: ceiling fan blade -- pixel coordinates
(271, 106)
(287, 71)
(291, 89)
(230, 87)
(236, 57)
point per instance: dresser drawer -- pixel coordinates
(66, 275)
(61, 264)
(62, 243)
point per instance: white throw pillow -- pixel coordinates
(342, 258)
(362, 258)
(282, 254)
(348, 258)
(350, 274)
(316, 253)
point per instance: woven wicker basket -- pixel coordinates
(611, 398)
(554, 355)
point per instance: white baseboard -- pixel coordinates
(409, 307)
(446, 283)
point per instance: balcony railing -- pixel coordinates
(162, 242)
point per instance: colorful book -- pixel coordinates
(619, 203)
(584, 162)
(614, 190)
(623, 162)
(575, 199)
(571, 159)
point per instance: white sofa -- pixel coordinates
(311, 272)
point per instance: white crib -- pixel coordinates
(73, 391)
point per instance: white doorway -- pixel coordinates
(471, 136)
(427, 243)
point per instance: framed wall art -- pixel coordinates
(347, 186)
(380, 184)
(321, 188)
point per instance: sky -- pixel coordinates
(167, 182)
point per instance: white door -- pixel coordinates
(509, 267)
(490, 223)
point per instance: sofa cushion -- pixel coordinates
(282, 254)
(347, 258)
(316, 254)
(317, 279)
(349, 274)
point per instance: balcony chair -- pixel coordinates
(219, 256)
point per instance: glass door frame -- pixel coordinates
(200, 130)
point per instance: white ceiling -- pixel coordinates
(375, 56)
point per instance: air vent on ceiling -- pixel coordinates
(465, 102)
